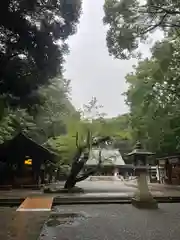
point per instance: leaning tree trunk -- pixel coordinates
(75, 169)
(80, 159)
(73, 177)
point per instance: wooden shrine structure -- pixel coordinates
(23, 161)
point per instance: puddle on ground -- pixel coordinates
(58, 219)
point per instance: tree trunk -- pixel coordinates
(71, 182)
(75, 170)
(78, 164)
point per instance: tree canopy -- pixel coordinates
(133, 21)
(117, 128)
(153, 97)
(44, 121)
(153, 86)
(32, 44)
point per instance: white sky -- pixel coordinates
(90, 68)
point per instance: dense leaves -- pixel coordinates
(117, 128)
(32, 44)
(153, 93)
(153, 97)
(66, 144)
(44, 121)
(133, 21)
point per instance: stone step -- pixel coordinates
(36, 204)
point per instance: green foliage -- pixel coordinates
(131, 22)
(51, 115)
(94, 120)
(153, 97)
(65, 146)
(33, 45)
(92, 110)
(117, 128)
(44, 121)
(32, 40)
(13, 121)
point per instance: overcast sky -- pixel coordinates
(92, 71)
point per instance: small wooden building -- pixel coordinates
(171, 165)
(23, 161)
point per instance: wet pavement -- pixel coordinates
(100, 221)
(19, 193)
(165, 189)
(105, 186)
(106, 191)
(112, 222)
(89, 222)
(20, 225)
(120, 188)
(126, 187)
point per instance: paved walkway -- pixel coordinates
(105, 186)
(19, 193)
(93, 189)
(154, 186)
(20, 225)
(127, 187)
(113, 222)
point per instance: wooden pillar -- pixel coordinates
(168, 168)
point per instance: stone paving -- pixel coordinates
(95, 188)
(19, 193)
(105, 186)
(126, 187)
(166, 190)
(133, 183)
(20, 225)
(112, 222)
(125, 221)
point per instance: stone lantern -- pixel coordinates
(142, 198)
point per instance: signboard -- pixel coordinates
(173, 160)
(162, 162)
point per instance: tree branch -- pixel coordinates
(149, 29)
(171, 25)
(167, 11)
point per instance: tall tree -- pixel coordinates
(32, 44)
(133, 21)
(44, 121)
(52, 114)
(154, 99)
